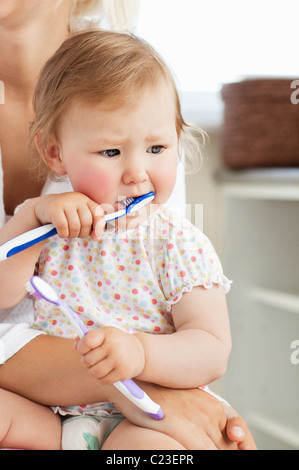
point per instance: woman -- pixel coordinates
(30, 32)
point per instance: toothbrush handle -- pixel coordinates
(73, 317)
(127, 387)
(137, 396)
(36, 235)
(25, 240)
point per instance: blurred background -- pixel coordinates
(236, 66)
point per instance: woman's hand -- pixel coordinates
(193, 417)
(72, 214)
(111, 354)
(237, 430)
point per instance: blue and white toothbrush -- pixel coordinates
(32, 237)
(40, 289)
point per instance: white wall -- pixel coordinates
(202, 188)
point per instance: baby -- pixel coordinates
(149, 286)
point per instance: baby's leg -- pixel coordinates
(27, 425)
(127, 436)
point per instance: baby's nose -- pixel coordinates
(135, 173)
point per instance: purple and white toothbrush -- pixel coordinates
(40, 289)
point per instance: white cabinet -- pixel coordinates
(261, 255)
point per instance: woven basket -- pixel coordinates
(261, 124)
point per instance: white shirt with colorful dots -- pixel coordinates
(128, 280)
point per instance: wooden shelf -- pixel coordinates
(275, 192)
(288, 301)
(261, 252)
(269, 183)
(275, 429)
(259, 175)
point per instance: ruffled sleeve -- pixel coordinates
(188, 259)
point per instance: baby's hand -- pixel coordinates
(110, 354)
(72, 214)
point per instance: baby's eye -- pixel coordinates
(155, 149)
(110, 152)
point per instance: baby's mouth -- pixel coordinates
(122, 204)
(125, 202)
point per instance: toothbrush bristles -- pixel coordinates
(127, 201)
(30, 289)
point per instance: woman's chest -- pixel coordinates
(18, 179)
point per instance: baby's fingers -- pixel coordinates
(74, 222)
(94, 339)
(92, 222)
(79, 223)
(98, 223)
(61, 224)
(95, 359)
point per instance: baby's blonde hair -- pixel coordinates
(95, 67)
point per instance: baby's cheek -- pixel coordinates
(166, 181)
(94, 184)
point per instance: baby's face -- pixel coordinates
(111, 154)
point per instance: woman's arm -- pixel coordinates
(48, 371)
(16, 270)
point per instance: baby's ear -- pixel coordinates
(50, 153)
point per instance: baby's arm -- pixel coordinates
(73, 215)
(195, 355)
